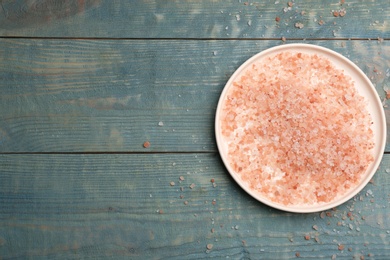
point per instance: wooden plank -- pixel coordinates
(194, 19)
(100, 206)
(91, 96)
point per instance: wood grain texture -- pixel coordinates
(193, 19)
(123, 206)
(97, 96)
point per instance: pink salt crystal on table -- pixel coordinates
(297, 130)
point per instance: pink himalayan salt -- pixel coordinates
(297, 130)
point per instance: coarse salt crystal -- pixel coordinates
(297, 130)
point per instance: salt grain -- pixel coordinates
(300, 105)
(299, 25)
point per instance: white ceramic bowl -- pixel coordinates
(364, 88)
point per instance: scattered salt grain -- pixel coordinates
(172, 183)
(238, 18)
(181, 178)
(160, 123)
(299, 25)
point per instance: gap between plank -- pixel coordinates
(152, 152)
(191, 39)
(82, 153)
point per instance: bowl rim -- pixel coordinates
(379, 124)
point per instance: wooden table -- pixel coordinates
(85, 83)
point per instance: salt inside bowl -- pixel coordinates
(300, 128)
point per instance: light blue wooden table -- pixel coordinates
(85, 83)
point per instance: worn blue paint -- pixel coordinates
(75, 179)
(96, 96)
(193, 19)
